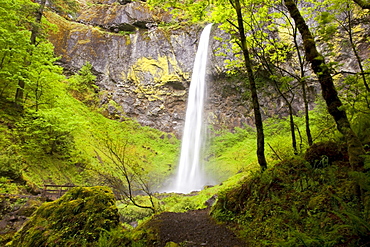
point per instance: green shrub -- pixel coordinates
(45, 133)
(10, 164)
(82, 85)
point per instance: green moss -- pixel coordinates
(159, 71)
(78, 218)
(83, 41)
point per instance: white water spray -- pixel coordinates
(190, 174)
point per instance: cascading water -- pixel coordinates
(190, 174)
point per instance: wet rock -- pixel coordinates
(211, 201)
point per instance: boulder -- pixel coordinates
(76, 219)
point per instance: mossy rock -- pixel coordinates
(76, 219)
(171, 244)
(322, 154)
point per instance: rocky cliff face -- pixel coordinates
(145, 67)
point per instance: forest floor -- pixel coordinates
(193, 228)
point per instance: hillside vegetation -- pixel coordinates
(55, 130)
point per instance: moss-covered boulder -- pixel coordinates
(76, 219)
(321, 154)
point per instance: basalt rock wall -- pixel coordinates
(144, 67)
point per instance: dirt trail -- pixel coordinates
(193, 228)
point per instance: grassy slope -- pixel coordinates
(292, 203)
(87, 127)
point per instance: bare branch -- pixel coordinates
(117, 154)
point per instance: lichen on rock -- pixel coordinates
(151, 75)
(76, 219)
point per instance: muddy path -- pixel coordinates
(193, 228)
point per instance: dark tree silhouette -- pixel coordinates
(252, 84)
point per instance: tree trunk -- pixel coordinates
(252, 84)
(18, 100)
(329, 93)
(35, 29)
(303, 86)
(354, 49)
(306, 113)
(291, 116)
(291, 120)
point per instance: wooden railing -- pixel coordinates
(53, 192)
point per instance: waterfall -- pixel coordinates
(190, 174)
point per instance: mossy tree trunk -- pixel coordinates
(329, 93)
(252, 84)
(18, 99)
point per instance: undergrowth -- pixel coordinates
(295, 204)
